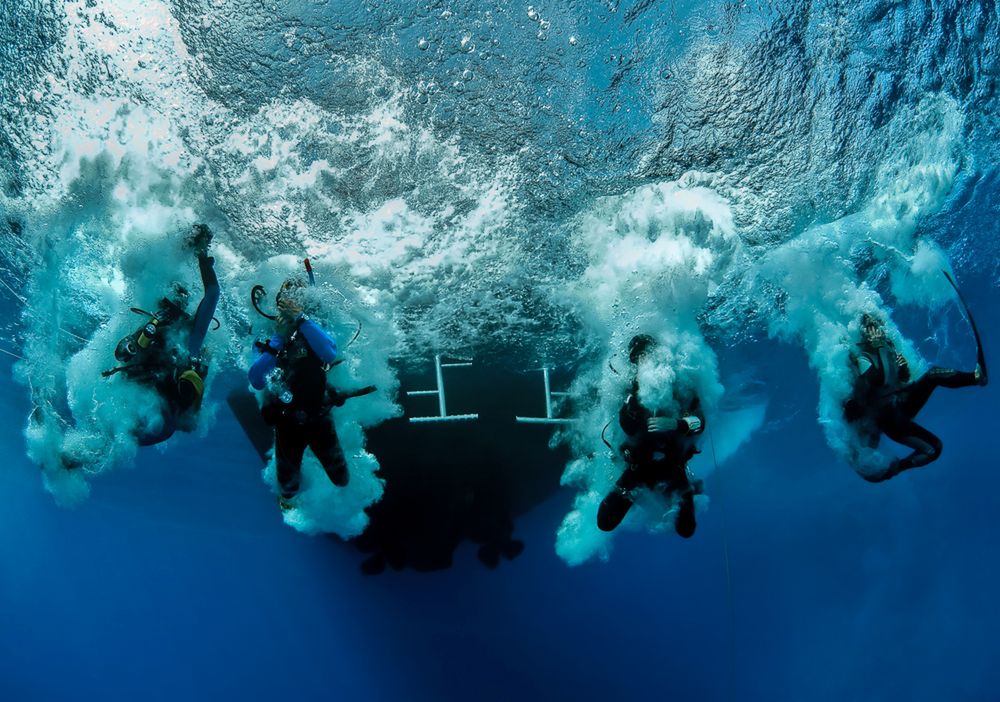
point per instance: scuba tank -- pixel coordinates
(139, 340)
(148, 333)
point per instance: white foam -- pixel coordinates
(824, 293)
(655, 255)
(129, 157)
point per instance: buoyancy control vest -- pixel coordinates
(643, 446)
(889, 374)
(305, 375)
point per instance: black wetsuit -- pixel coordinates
(885, 402)
(160, 366)
(654, 460)
(306, 420)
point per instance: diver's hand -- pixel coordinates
(661, 424)
(271, 346)
(289, 307)
(904, 368)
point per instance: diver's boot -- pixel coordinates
(685, 523)
(895, 468)
(512, 549)
(70, 462)
(338, 474)
(981, 376)
(489, 555)
(373, 565)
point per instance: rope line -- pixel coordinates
(11, 353)
(24, 301)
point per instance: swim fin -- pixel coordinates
(243, 403)
(980, 356)
(339, 397)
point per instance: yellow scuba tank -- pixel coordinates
(147, 333)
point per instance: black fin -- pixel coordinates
(243, 403)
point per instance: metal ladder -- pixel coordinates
(549, 393)
(443, 415)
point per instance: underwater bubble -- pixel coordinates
(572, 41)
(422, 44)
(467, 75)
(467, 44)
(459, 86)
(532, 13)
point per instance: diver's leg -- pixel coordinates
(206, 308)
(926, 447)
(166, 431)
(619, 501)
(685, 524)
(326, 445)
(289, 445)
(916, 394)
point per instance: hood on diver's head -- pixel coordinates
(178, 295)
(638, 346)
(292, 286)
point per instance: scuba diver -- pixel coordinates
(886, 401)
(157, 356)
(656, 451)
(292, 366)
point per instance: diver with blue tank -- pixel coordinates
(291, 368)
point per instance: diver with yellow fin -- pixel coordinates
(886, 401)
(291, 368)
(158, 355)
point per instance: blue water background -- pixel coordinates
(178, 580)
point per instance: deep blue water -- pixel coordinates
(178, 580)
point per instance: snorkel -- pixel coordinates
(258, 292)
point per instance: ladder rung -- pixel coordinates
(544, 420)
(448, 418)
